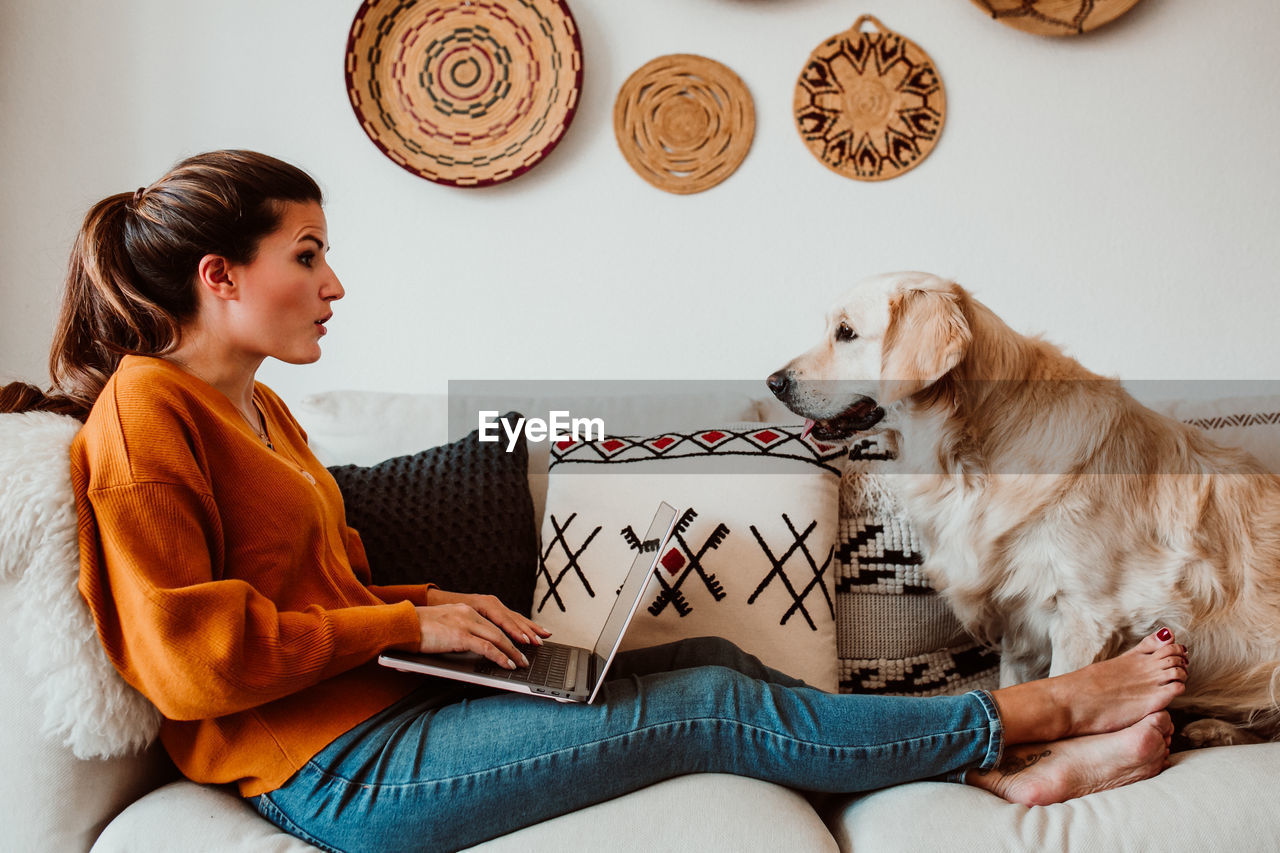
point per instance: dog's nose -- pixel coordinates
(779, 383)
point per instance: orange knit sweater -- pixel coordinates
(224, 582)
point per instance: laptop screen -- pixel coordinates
(637, 578)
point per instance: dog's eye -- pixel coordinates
(844, 333)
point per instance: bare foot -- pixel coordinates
(1103, 697)
(1045, 773)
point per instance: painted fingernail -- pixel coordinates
(511, 664)
(1164, 635)
(525, 637)
(524, 660)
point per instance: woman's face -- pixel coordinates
(285, 292)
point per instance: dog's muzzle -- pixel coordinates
(860, 415)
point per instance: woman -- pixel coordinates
(227, 588)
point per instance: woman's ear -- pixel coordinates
(927, 336)
(213, 276)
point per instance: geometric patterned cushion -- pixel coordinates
(459, 516)
(1251, 423)
(752, 558)
(895, 633)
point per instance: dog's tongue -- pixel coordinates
(809, 424)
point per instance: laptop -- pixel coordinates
(562, 672)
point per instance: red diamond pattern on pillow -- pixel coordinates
(663, 443)
(780, 442)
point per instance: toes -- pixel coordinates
(1173, 662)
(1152, 642)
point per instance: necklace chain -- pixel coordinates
(259, 428)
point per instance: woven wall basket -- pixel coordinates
(870, 105)
(684, 122)
(1055, 17)
(464, 92)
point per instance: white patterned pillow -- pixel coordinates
(896, 634)
(1250, 423)
(752, 558)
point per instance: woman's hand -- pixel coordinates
(458, 622)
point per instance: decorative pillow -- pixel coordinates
(1249, 423)
(896, 634)
(753, 556)
(87, 705)
(459, 516)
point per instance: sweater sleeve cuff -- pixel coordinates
(361, 633)
(413, 593)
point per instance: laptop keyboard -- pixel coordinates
(548, 665)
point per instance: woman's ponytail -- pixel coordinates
(104, 314)
(130, 283)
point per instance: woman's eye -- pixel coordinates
(845, 333)
(306, 258)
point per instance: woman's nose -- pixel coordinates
(333, 289)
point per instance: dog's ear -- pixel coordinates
(927, 336)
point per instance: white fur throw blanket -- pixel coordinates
(86, 702)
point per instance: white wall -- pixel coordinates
(1116, 191)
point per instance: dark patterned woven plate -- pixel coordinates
(464, 92)
(870, 105)
(1055, 17)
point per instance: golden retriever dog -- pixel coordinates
(1063, 519)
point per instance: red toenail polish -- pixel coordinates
(1164, 635)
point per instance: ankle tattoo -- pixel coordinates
(1011, 765)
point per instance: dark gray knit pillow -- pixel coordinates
(459, 516)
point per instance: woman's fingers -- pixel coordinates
(460, 628)
(517, 625)
(488, 631)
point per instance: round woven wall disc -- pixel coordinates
(1055, 17)
(464, 92)
(870, 105)
(684, 122)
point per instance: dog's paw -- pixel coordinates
(1208, 732)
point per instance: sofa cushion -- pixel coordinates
(459, 516)
(896, 633)
(1251, 423)
(704, 811)
(1210, 799)
(752, 557)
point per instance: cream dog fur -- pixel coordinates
(1064, 520)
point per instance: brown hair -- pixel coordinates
(131, 281)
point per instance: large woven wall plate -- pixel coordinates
(1055, 17)
(464, 92)
(684, 122)
(870, 105)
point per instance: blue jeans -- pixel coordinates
(447, 768)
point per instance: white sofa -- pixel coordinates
(52, 801)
